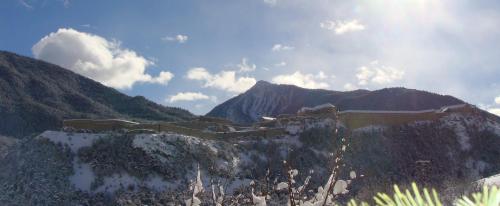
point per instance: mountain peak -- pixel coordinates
(268, 99)
(261, 84)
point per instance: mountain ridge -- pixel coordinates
(36, 96)
(267, 99)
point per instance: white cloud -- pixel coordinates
(190, 96)
(97, 58)
(309, 81)
(342, 27)
(198, 73)
(178, 38)
(491, 108)
(163, 78)
(495, 111)
(378, 74)
(271, 2)
(224, 80)
(280, 47)
(245, 67)
(321, 75)
(350, 87)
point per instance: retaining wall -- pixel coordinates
(352, 119)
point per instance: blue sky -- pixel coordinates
(196, 54)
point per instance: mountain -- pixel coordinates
(266, 99)
(36, 96)
(118, 168)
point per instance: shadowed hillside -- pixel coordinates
(36, 96)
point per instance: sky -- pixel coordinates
(196, 54)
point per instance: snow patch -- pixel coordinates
(124, 180)
(74, 141)
(154, 146)
(490, 181)
(83, 176)
(459, 124)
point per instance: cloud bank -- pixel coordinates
(96, 58)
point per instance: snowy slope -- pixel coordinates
(82, 167)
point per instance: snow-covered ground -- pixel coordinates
(84, 176)
(168, 161)
(490, 181)
(235, 157)
(74, 141)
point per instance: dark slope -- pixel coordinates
(266, 99)
(36, 96)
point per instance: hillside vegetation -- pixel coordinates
(36, 96)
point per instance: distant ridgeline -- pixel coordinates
(209, 127)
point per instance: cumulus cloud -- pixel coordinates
(179, 38)
(224, 80)
(244, 66)
(97, 58)
(497, 100)
(378, 74)
(342, 27)
(190, 96)
(280, 47)
(310, 81)
(163, 78)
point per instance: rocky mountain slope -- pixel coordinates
(151, 169)
(266, 99)
(36, 96)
